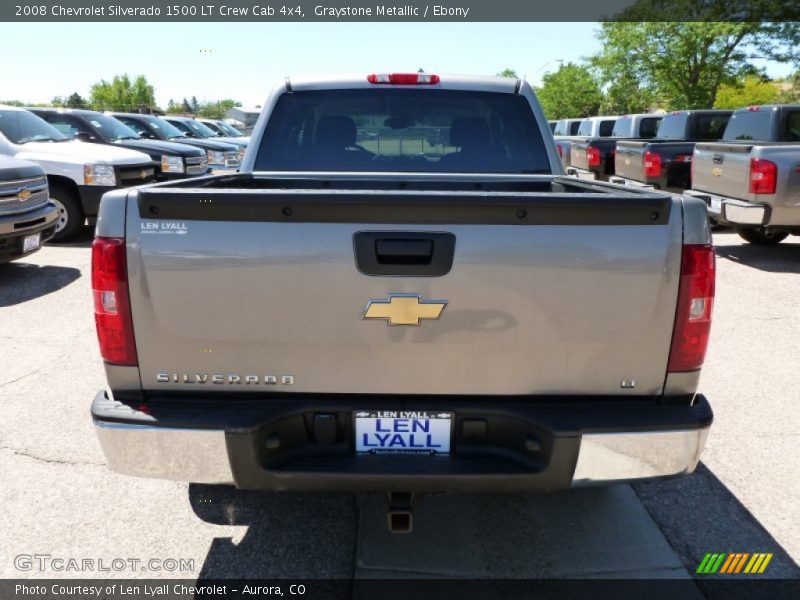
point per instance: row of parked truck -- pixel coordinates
(56, 164)
(744, 164)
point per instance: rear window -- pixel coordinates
(606, 127)
(622, 127)
(710, 128)
(673, 127)
(648, 127)
(567, 127)
(585, 128)
(402, 130)
(793, 126)
(748, 125)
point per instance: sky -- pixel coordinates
(244, 60)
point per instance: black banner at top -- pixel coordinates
(402, 11)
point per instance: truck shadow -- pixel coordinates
(783, 258)
(20, 281)
(657, 530)
(289, 535)
(83, 239)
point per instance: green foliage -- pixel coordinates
(14, 103)
(683, 64)
(217, 109)
(791, 92)
(75, 100)
(571, 91)
(122, 94)
(751, 90)
(508, 73)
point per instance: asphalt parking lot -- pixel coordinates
(59, 499)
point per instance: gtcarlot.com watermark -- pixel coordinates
(46, 563)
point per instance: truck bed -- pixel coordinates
(552, 285)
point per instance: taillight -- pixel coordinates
(592, 157)
(404, 78)
(763, 176)
(560, 151)
(693, 315)
(651, 164)
(112, 310)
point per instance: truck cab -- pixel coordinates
(169, 159)
(78, 173)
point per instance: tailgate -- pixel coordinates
(722, 169)
(628, 160)
(577, 155)
(250, 291)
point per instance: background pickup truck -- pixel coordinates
(479, 322)
(751, 179)
(665, 162)
(221, 155)
(78, 174)
(593, 157)
(170, 160)
(564, 131)
(27, 217)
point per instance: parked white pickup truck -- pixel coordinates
(78, 173)
(445, 313)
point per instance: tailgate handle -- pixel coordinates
(410, 253)
(404, 252)
(718, 158)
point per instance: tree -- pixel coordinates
(75, 101)
(57, 101)
(217, 109)
(751, 90)
(172, 108)
(195, 105)
(185, 106)
(790, 89)
(122, 94)
(508, 73)
(683, 64)
(571, 91)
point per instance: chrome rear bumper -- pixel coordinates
(645, 447)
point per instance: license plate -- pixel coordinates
(716, 205)
(31, 242)
(403, 432)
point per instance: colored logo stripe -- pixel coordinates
(728, 564)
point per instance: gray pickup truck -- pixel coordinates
(593, 157)
(751, 178)
(27, 217)
(362, 309)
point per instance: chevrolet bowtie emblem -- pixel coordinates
(404, 309)
(24, 195)
(143, 174)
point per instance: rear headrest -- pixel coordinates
(469, 132)
(336, 130)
